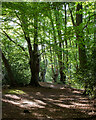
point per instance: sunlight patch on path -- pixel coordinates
(40, 102)
(26, 103)
(65, 106)
(81, 104)
(76, 91)
(23, 103)
(13, 96)
(52, 102)
(10, 101)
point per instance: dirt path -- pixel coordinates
(56, 102)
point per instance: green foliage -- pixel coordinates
(49, 74)
(18, 19)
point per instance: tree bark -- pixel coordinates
(79, 37)
(81, 46)
(61, 65)
(54, 68)
(34, 61)
(94, 54)
(33, 54)
(65, 39)
(9, 71)
(80, 40)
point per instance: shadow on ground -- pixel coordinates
(49, 102)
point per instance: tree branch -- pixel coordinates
(72, 16)
(88, 21)
(13, 41)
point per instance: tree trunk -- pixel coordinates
(81, 46)
(34, 65)
(44, 68)
(33, 54)
(34, 62)
(79, 37)
(54, 67)
(94, 54)
(61, 65)
(65, 39)
(9, 71)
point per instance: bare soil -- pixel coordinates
(48, 102)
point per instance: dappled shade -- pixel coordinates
(48, 60)
(48, 102)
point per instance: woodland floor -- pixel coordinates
(56, 102)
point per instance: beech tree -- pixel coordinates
(55, 46)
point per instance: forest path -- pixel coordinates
(51, 101)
